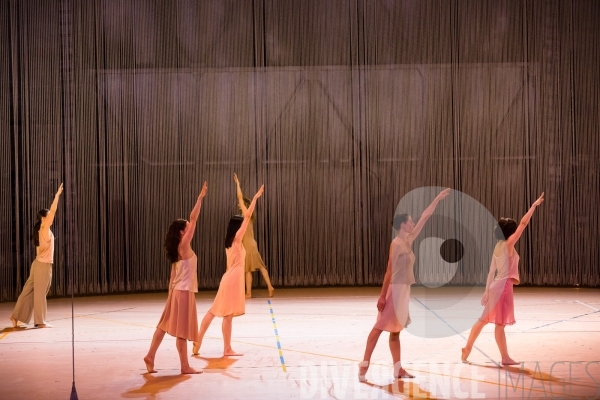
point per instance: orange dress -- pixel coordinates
(230, 299)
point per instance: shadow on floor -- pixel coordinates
(18, 329)
(399, 387)
(220, 365)
(155, 385)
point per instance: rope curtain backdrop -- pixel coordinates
(340, 107)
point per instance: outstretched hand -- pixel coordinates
(540, 200)
(235, 178)
(443, 194)
(204, 190)
(60, 189)
(260, 191)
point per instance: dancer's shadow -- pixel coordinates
(155, 385)
(17, 329)
(410, 389)
(535, 374)
(220, 364)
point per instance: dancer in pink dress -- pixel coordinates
(395, 294)
(498, 296)
(179, 317)
(230, 300)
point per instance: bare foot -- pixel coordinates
(271, 290)
(190, 370)
(465, 354)
(14, 322)
(231, 353)
(149, 364)
(248, 296)
(44, 326)
(403, 374)
(196, 348)
(509, 361)
(363, 367)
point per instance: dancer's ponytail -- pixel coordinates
(38, 225)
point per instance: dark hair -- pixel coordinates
(173, 238)
(399, 219)
(505, 228)
(36, 228)
(235, 223)
(247, 203)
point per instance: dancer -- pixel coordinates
(498, 296)
(253, 259)
(396, 283)
(33, 297)
(229, 301)
(179, 317)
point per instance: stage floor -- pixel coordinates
(322, 333)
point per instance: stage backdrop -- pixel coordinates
(340, 107)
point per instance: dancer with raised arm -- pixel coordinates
(179, 318)
(253, 259)
(229, 301)
(498, 296)
(399, 276)
(33, 296)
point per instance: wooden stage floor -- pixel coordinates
(322, 333)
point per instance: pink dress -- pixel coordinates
(230, 299)
(180, 318)
(395, 315)
(500, 308)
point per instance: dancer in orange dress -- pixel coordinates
(230, 301)
(253, 259)
(498, 296)
(395, 294)
(179, 317)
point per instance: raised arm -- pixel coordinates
(248, 215)
(428, 213)
(386, 283)
(47, 222)
(510, 242)
(189, 234)
(240, 195)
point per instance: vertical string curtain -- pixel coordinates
(340, 107)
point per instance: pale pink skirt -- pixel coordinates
(395, 315)
(500, 308)
(180, 318)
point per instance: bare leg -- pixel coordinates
(14, 322)
(185, 365)
(248, 285)
(265, 275)
(156, 341)
(371, 342)
(395, 350)
(227, 327)
(501, 341)
(203, 328)
(475, 331)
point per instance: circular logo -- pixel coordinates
(450, 262)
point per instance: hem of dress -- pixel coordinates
(496, 323)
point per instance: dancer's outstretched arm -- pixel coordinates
(428, 213)
(240, 195)
(189, 234)
(240, 233)
(386, 283)
(50, 217)
(510, 242)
